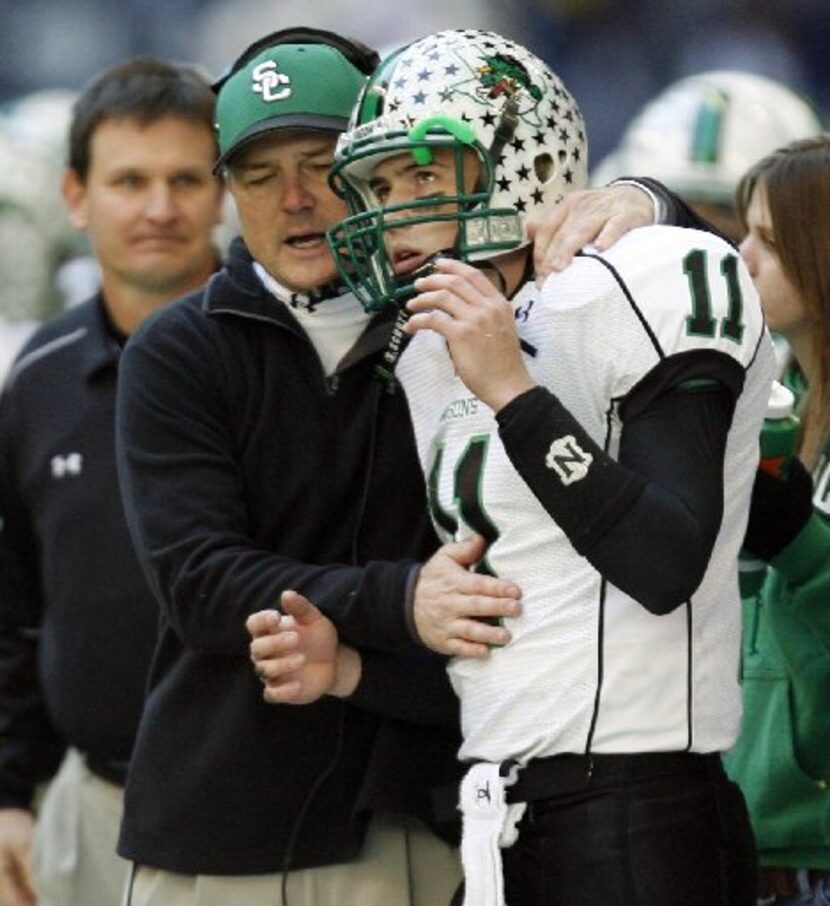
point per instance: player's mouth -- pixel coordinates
(404, 261)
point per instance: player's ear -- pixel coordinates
(73, 189)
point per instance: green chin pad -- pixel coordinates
(461, 131)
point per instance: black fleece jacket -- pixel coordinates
(245, 472)
(77, 620)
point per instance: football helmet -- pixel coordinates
(28, 252)
(34, 225)
(702, 133)
(493, 103)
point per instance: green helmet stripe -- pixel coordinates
(706, 135)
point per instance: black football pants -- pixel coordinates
(675, 839)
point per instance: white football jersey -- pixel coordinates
(588, 668)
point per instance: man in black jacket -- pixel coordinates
(257, 452)
(77, 620)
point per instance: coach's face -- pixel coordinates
(285, 205)
(149, 203)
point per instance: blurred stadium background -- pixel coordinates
(614, 55)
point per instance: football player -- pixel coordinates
(601, 434)
(701, 134)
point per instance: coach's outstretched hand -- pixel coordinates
(297, 653)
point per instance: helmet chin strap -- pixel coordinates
(489, 268)
(385, 369)
(424, 269)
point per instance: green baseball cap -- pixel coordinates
(286, 86)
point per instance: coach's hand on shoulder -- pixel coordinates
(17, 883)
(450, 602)
(597, 217)
(297, 653)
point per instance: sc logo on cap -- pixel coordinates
(267, 81)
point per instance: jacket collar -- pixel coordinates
(237, 290)
(100, 350)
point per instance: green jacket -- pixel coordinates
(782, 758)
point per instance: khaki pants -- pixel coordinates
(402, 864)
(75, 837)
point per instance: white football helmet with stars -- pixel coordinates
(468, 90)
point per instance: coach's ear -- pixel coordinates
(73, 189)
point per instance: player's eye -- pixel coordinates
(426, 177)
(380, 190)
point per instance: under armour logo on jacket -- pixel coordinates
(70, 464)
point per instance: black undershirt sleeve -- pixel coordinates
(779, 510)
(677, 211)
(647, 521)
